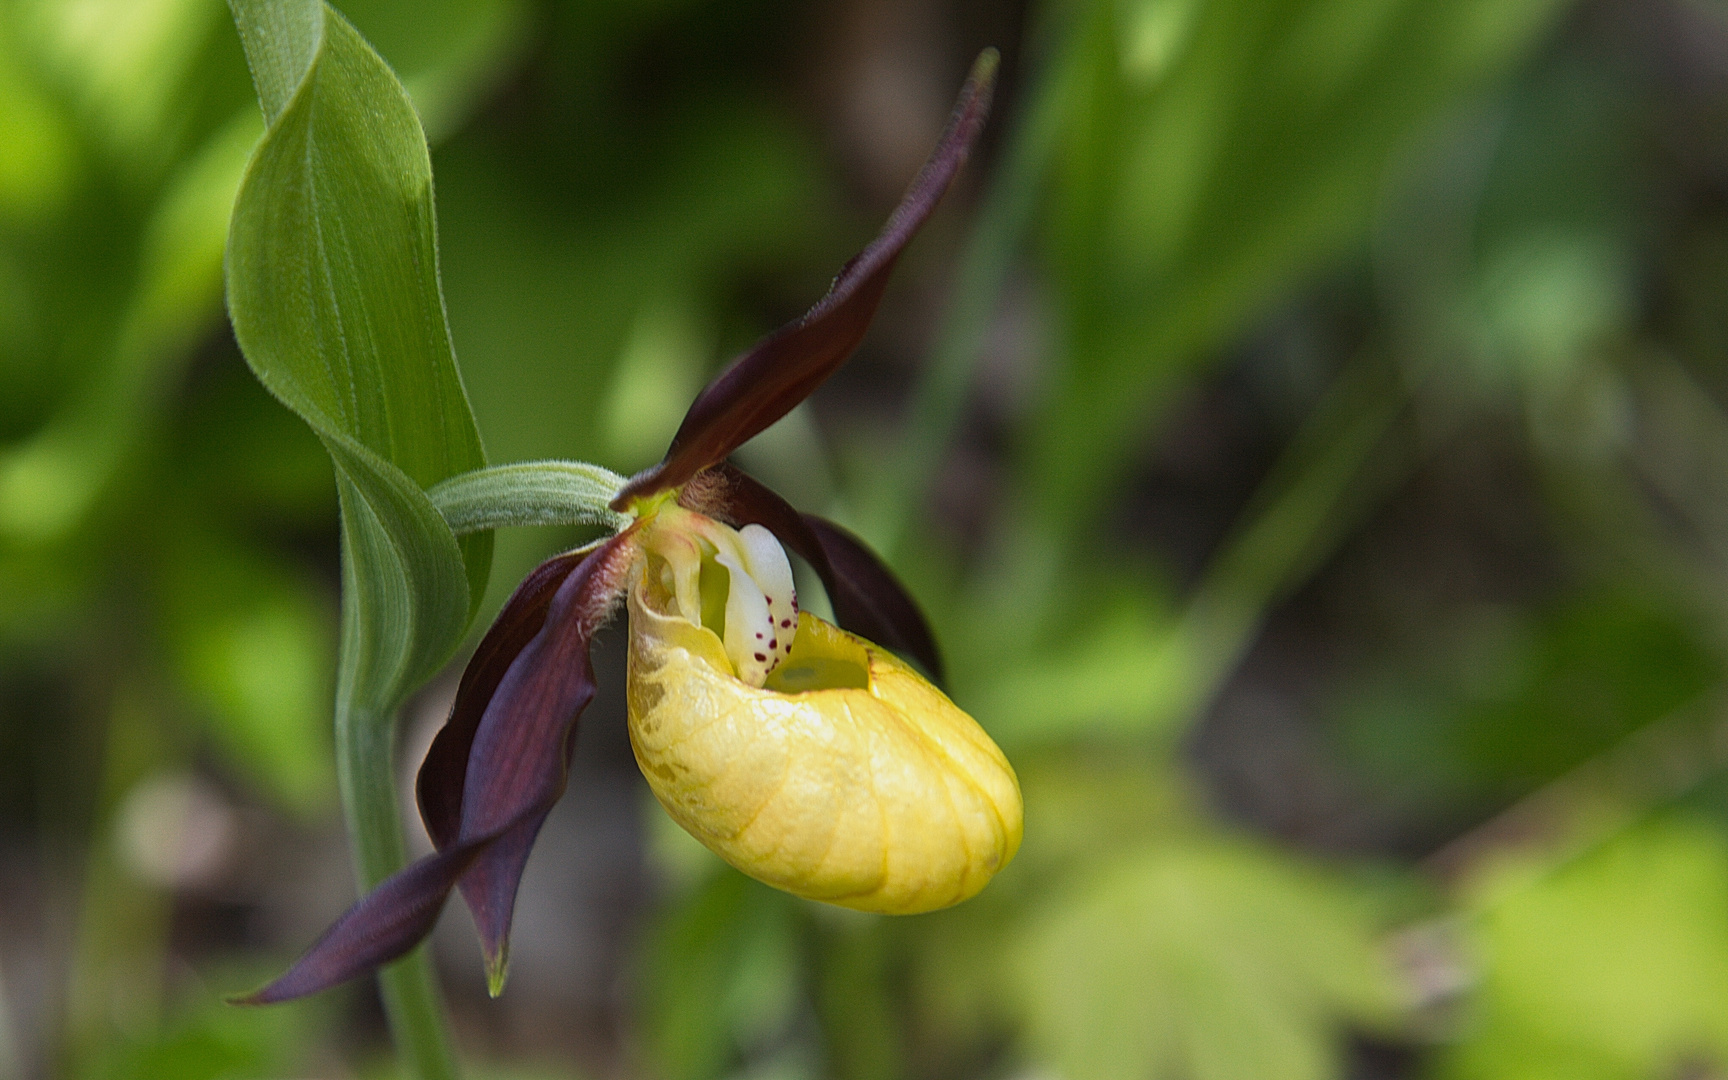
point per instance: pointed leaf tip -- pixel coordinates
(786, 367)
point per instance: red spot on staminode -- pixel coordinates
(785, 622)
(760, 658)
(758, 635)
(775, 644)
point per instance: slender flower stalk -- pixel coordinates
(810, 757)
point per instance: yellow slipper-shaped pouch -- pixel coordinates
(846, 778)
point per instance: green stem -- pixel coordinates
(365, 762)
(529, 493)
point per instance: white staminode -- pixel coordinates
(682, 575)
(761, 607)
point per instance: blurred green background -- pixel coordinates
(1304, 423)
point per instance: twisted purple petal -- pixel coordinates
(512, 729)
(785, 368)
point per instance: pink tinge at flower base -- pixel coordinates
(806, 756)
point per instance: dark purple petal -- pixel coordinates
(870, 600)
(527, 684)
(444, 772)
(385, 924)
(765, 383)
(519, 757)
(867, 598)
(489, 890)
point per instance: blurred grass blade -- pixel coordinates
(1191, 193)
(51, 482)
(721, 967)
(1136, 673)
(333, 292)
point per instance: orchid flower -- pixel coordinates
(806, 755)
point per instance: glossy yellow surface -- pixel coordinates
(882, 796)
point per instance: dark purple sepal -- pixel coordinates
(385, 924)
(444, 772)
(785, 368)
(519, 755)
(525, 688)
(489, 890)
(868, 599)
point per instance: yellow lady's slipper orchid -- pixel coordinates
(840, 775)
(807, 757)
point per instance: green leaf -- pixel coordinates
(333, 291)
(1612, 966)
(1194, 187)
(1206, 961)
(446, 51)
